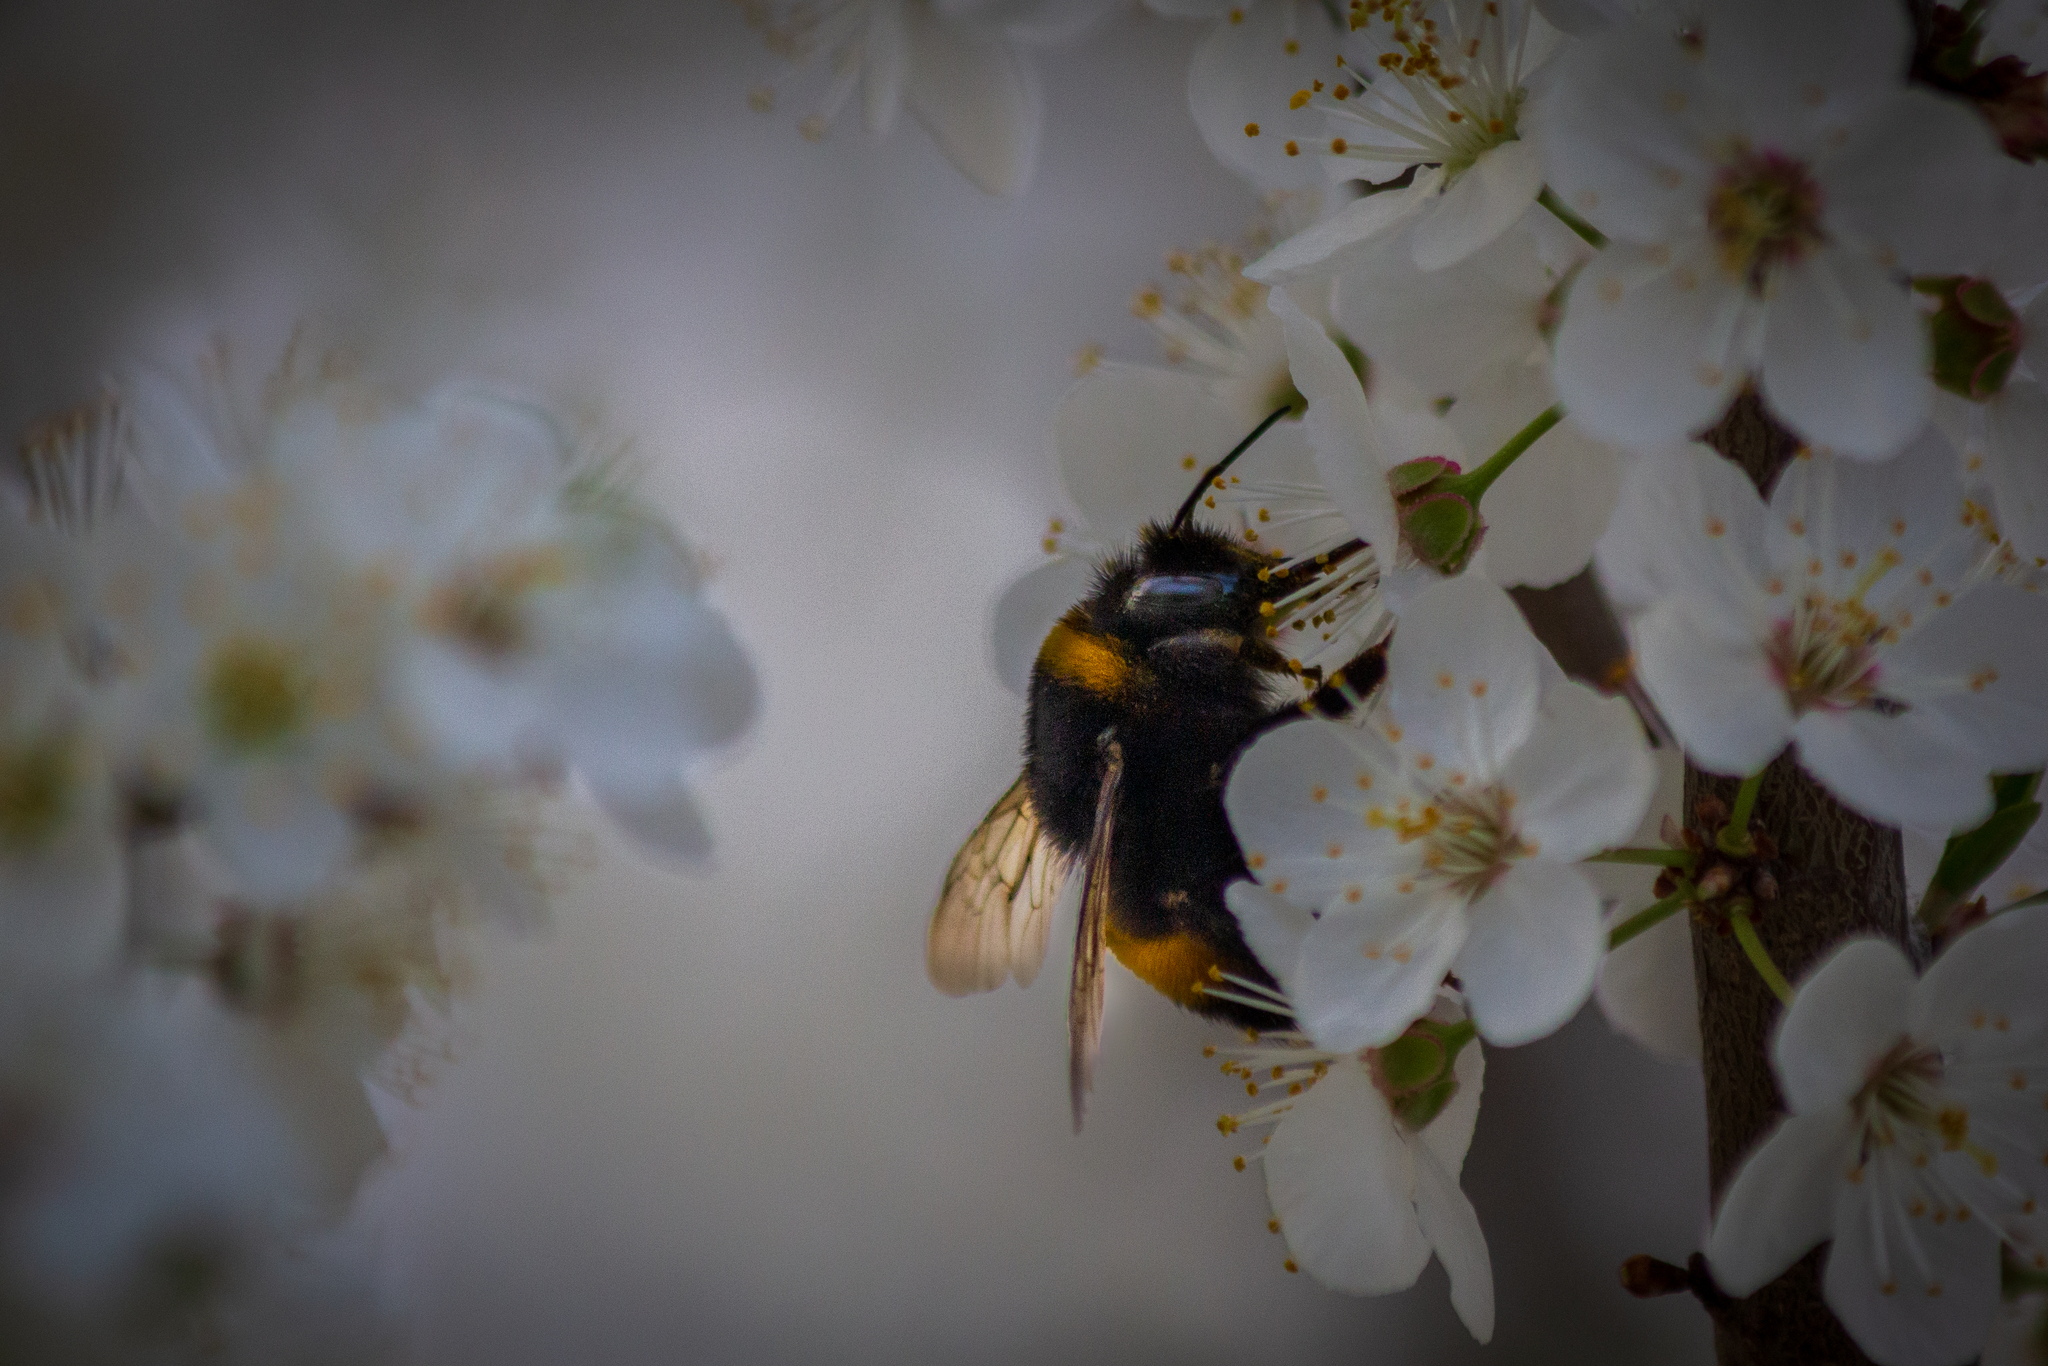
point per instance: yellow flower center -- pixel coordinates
(258, 693)
(1764, 209)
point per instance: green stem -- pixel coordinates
(1661, 858)
(1473, 484)
(1734, 836)
(1759, 958)
(1649, 917)
(1589, 234)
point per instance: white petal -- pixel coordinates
(471, 714)
(1614, 151)
(276, 829)
(1992, 973)
(667, 682)
(1027, 611)
(1907, 511)
(1274, 928)
(1718, 693)
(1352, 227)
(1782, 1200)
(663, 820)
(1948, 154)
(2025, 873)
(1935, 1317)
(1803, 71)
(1296, 799)
(1342, 429)
(1342, 1183)
(1131, 442)
(1449, 1135)
(1479, 206)
(1584, 778)
(980, 101)
(1845, 354)
(1243, 74)
(1533, 951)
(1847, 1014)
(1550, 508)
(2016, 424)
(1366, 975)
(1651, 347)
(1440, 329)
(1462, 677)
(1902, 770)
(1452, 1227)
(1688, 524)
(1981, 666)
(1646, 989)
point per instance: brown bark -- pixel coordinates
(1838, 874)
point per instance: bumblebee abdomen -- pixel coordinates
(1177, 966)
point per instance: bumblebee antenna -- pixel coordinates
(1187, 509)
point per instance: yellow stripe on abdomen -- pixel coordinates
(1175, 965)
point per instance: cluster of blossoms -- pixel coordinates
(288, 684)
(1524, 256)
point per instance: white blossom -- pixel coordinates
(1437, 95)
(1753, 174)
(1441, 837)
(961, 69)
(1914, 1141)
(1364, 1154)
(1853, 617)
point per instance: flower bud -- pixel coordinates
(1443, 529)
(1976, 335)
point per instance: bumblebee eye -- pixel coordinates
(1179, 590)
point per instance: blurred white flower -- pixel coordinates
(1914, 1141)
(1437, 95)
(1750, 172)
(1363, 1159)
(960, 68)
(1441, 837)
(1852, 617)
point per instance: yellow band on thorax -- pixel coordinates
(1078, 656)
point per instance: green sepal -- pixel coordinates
(1411, 1061)
(1442, 529)
(1975, 335)
(1418, 1110)
(1413, 476)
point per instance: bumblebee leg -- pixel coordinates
(1351, 685)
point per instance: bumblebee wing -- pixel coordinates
(996, 902)
(1084, 989)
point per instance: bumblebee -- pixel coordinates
(1141, 699)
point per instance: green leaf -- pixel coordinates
(1974, 855)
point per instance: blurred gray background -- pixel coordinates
(723, 1118)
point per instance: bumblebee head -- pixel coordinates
(1177, 581)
